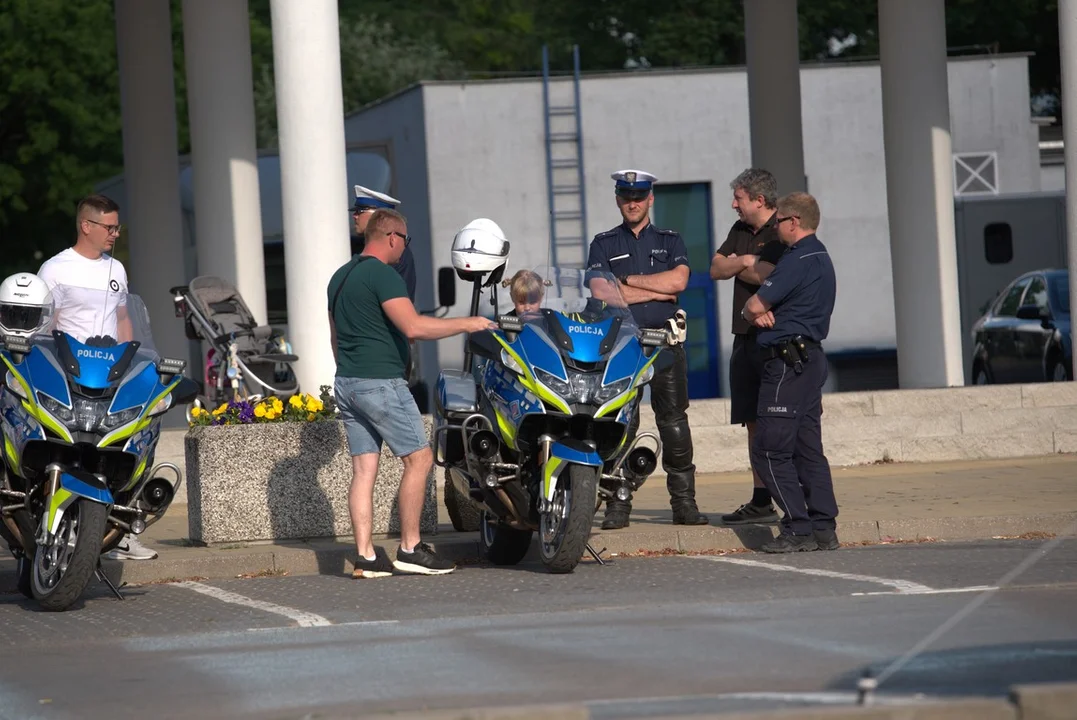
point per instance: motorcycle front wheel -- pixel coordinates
(60, 571)
(566, 527)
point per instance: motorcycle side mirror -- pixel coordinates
(446, 287)
(185, 393)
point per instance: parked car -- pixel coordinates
(1025, 335)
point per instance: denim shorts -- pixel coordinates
(376, 410)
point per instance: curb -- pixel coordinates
(1056, 701)
(331, 557)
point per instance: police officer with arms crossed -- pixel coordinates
(750, 252)
(652, 267)
(792, 309)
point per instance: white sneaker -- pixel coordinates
(130, 549)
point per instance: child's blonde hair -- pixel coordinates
(525, 286)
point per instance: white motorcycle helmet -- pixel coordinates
(26, 305)
(479, 247)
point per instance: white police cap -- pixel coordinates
(633, 180)
(366, 198)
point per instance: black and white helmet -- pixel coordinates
(26, 305)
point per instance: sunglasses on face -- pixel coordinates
(402, 236)
(780, 220)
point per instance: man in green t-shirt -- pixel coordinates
(371, 320)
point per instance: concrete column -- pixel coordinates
(1067, 43)
(920, 192)
(310, 123)
(772, 45)
(151, 168)
(224, 154)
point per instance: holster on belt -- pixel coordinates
(794, 352)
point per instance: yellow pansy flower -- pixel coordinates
(271, 414)
(296, 402)
(313, 404)
(221, 409)
(260, 410)
(196, 411)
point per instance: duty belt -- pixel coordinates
(794, 351)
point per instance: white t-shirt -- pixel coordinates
(89, 292)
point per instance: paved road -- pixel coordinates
(638, 637)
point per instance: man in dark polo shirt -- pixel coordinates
(750, 252)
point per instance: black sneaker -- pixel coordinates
(380, 566)
(422, 561)
(827, 539)
(786, 543)
(747, 514)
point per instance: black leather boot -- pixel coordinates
(682, 498)
(617, 512)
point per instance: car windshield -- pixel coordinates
(101, 318)
(585, 295)
(1060, 292)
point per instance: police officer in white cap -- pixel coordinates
(366, 202)
(652, 266)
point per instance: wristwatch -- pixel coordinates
(623, 279)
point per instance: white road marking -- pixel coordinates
(903, 587)
(303, 619)
(941, 591)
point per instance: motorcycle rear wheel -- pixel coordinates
(566, 527)
(59, 573)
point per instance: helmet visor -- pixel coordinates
(21, 318)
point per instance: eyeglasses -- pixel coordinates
(109, 228)
(780, 220)
(402, 236)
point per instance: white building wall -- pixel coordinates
(486, 157)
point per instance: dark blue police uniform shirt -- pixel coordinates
(619, 252)
(801, 291)
(405, 266)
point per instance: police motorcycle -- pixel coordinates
(534, 431)
(80, 419)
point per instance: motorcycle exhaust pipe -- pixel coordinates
(10, 524)
(484, 444)
(641, 462)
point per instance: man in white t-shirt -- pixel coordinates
(90, 297)
(89, 285)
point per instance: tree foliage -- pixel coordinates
(60, 130)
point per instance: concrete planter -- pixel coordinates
(284, 481)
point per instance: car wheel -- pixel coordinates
(1058, 372)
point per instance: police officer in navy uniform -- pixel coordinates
(792, 309)
(366, 202)
(652, 267)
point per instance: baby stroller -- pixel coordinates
(245, 360)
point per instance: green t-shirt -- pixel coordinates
(369, 345)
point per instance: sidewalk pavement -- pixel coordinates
(907, 502)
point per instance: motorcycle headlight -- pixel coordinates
(608, 392)
(557, 385)
(646, 375)
(114, 420)
(89, 413)
(64, 414)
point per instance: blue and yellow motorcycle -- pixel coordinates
(540, 426)
(80, 419)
